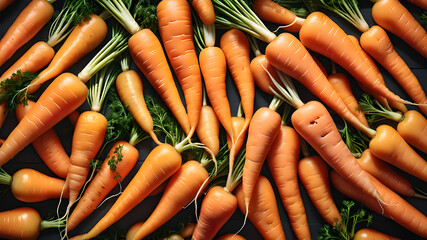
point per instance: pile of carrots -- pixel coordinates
(281, 172)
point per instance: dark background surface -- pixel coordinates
(29, 159)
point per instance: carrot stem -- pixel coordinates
(121, 13)
(5, 178)
(371, 106)
(99, 86)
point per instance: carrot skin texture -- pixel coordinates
(217, 207)
(176, 31)
(65, 94)
(162, 162)
(205, 10)
(414, 130)
(20, 223)
(85, 37)
(263, 211)
(313, 173)
(376, 42)
(314, 123)
(48, 146)
(395, 18)
(148, 55)
(103, 182)
(181, 189)
(282, 161)
(385, 174)
(25, 27)
(208, 129)
(371, 234)
(270, 11)
(287, 54)
(262, 132)
(397, 208)
(389, 146)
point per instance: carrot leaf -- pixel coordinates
(146, 15)
(120, 121)
(376, 112)
(13, 90)
(296, 6)
(423, 18)
(354, 139)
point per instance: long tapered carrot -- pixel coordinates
(263, 211)
(176, 31)
(208, 129)
(25, 27)
(389, 146)
(394, 17)
(148, 55)
(238, 125)
(288, 55)
(376, 42)
(84, 38)
(271, 11)
(398, 210)
(314, 175)
(103, 182)
(181, 189)
(48, 146)
(65, 94)
(320, 34)
(282, 161)
(314, 123)
(205, 10)
(162, 162)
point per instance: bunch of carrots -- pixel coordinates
(200, 108)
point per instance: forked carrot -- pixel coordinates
(271, 11)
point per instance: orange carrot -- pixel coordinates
(217, 207)
(205, 10)
(162, 162)
(148, 55)
(73, 117)
(261, 70)
(288, 55)
(181, 189)
(231, 236)
(129, 88)
(313, 173)
(176, 31)
(238, 125)
(103, 182)
(208, 129)
(271, 11)
(65, 94)
(263, 211)
(263, 129)
(314, 123)
(84, 38)
(394, 17)
(398, 209)
(29, 22)
(282, 161)
(320, 34)
(414, 129)
(48, 146)
(3, 113)
(389, 146)
(376, 42)
(29, 185)
(371, 234)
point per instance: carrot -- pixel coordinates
(181, 189)
(231, 236)
(130, 89)
(217, 207)
(176, 31)
(29, 185)
(389, 146)
(84, 38)
(205, 10)
(398, 210)
(261, 134)
(263, 211)
(87, 140)
(208, 129)
(371, 234)
(48, 146)
(313, 174)
(5, 3)
(313, 122)
(320, 34)
(385, 174)
(104, 181)
(162, 162)
(376, 42)
(24, 223)
(34, 16)
(288, 55)
(238, 125)
(271, 11)
(261, 70)
(65, 94)
(282, 161)
(148, 55)
(395, 18)
(73, 117)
